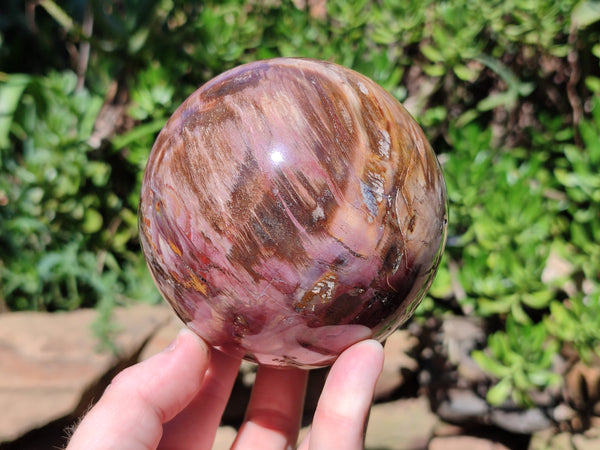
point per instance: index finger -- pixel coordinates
(341, 414)
(196, 426)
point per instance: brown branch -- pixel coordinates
(572, 82)
(84, 47)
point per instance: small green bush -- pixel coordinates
(67, 237)
(521, 358)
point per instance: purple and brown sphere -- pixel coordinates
(291, 208)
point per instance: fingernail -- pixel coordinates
(191, 335)
(173, 345)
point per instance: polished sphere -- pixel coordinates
(290, 208)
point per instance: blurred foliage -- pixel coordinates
(521, 358)
(507, 91)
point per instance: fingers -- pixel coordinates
(144, 396)
(341, 414)
(196, 426)
(274, 413)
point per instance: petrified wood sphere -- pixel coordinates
(291, 208)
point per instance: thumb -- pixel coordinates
(130, 413)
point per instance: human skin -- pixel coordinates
(175, 400)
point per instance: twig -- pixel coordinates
(574, 76)
(84, 47)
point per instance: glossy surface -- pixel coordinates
(291, 208)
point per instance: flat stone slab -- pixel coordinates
(398, 347)
(405, 424)
(224, 438)
(163, 337)
(464, 443)
(49, 360)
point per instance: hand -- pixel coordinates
(175, 400)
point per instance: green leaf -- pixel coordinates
(442, 284)
(57, 13)
(490, 365)
(489, 307)
(434, 70)
(500, 392)
(467, 117)
(542, 378)
(432, 53)
(137, 133)
(90, 114)
(519, 314)
(92, 221)
(521, 398)
(98, 172)
(539, 299)
(585, 13)
(138, 39)
(466, 73)
(559, 313)
(507, 99)
(10, 95)
(521, 381)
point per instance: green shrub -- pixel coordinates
(521, 359)
(65, 234)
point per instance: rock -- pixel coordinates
(583, 442)
(594, 430)
(398, 364)
(520, 421)
(548, 439)
(588, 440)
(400, 425)
(463, 443)
(317, 8)
(50, 366)
(452, 379)
(582, 386)
(224, 438)
(563, 413)
(303, 433)
(163, 337)
(557, 272)
(445, 429)
(462, 406)
(460, 336)
(546, 398)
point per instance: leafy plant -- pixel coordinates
(576, 323)
(521, 359)
(62, 234)
(577, 175)
(501, 227)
